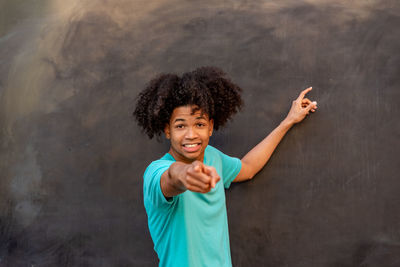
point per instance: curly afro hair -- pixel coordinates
(208, 88)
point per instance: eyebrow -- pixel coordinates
(197, 118)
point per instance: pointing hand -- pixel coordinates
(301, 107)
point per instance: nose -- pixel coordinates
(191, 133)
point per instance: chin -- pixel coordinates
(192, 158)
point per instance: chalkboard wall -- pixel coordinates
(72, 158)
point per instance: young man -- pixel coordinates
(184, 192)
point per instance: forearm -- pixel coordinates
(256, 158)
(253, 161)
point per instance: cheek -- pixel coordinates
(175, 137)
(206, 135)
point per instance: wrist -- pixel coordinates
(287, 123)
(177, 175)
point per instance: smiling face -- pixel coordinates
(189, 133)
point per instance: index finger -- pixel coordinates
(214, 175)
(303, 93)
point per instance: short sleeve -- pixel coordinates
(151, 185)
(230, 168)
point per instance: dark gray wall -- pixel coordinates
(71, 157)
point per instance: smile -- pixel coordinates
(192, 147)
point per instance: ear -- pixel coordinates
(211, 127)
(167, 132)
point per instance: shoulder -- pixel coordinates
(212, 151)
(159, 165)
(214, 156)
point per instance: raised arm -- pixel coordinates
(257, 157)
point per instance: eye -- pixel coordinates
(180, 126)
(200, 124)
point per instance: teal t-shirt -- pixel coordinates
(190, 229)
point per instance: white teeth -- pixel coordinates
(192, 145)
